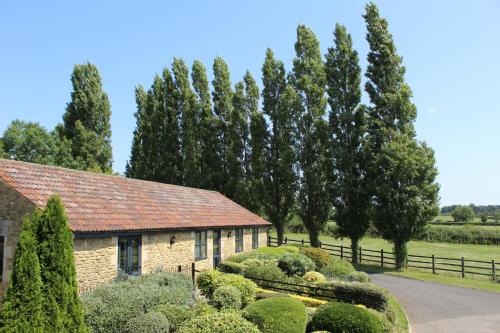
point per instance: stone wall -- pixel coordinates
(13, 208)
(96, 261)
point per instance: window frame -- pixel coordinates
(238, 240)
(255, 238)
(128, 252)
(202, 244)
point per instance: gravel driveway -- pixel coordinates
(434, 308)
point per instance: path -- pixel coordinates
(436, 308)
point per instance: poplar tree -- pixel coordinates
(349, 184)
(186, 109)
(22, 307)
(279, 103)
(57, 270)
(206, 127)
(402, 171)
(222, 96)
(135, 167)
(308, 78)
(255, 154)
(86, 121)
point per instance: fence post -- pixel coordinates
(179, 268)
(433, 265)
(286, 240)
(493, 273)
(302, 241)
(320, 244)
(360, 255)
(463, 267)
(193, 271)
(341, 251)
(382, 258)
(268, 240)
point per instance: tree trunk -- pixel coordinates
(314, 237)
(280, 231)
(354, 250)
(401, 253)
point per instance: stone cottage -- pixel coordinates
(120, 223)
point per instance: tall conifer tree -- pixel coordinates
(206, 127)
(86, 121)
(308, 79)
(222, 96)
(22, 307)
(402, 171)
(136, 166)
(350, 194)
(280, 104)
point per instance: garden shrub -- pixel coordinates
(277, 315)
(338, 317)
(269, 272)
(314, 277)
(270, 294)
(309, 301)
(358, 277)
(295, 264)
(206, 281)
(253, 262)
(219, 322)
(337, 268)
(360, 293)
(320, 257)
(278, 250)
(247, 288)
(202, 308)
(150, 322)
(175, 314)
(227, 297)
(231, 267)
(467, 234)
(254, 254)
(108, 308)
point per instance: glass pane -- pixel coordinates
(216, 237)
(134, 247)
(197, 251)
(122, 254)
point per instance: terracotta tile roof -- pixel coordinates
(101, 203)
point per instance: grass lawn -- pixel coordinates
(451, 250)
(437, 278)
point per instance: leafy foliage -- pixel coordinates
(359, 293)
(463, 214)
(227, 297)
(277, 315)
(344, 318)
(295, 264)
(320, 257)
(313, 276)
(337, 268)
(219, 322)
(175, 314)
(148, 322)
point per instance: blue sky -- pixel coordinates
(451, 50)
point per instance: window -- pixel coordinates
(2, 241)
(129, 254)
(255, 238)
(238, 240)
(200, 245)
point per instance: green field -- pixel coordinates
(451, 250)
(448, 218)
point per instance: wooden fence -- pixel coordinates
(383, 258)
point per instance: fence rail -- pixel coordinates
(383, 258)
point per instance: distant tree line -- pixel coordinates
(303, 146)
(478, 209)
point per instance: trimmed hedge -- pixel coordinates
(358, 277)
(338, 317)
(148, 323)
(231, 267)
(466, 234)
(338, 268)
(108, 308)
(227, 297)
(267, 272)
(208, 281)
(295, 264)
(277, 315)
(175, 314)
(219, 322)
(360, 293)
(313, 276)
(320, 257)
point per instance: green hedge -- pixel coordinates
(467, 234)
(367, 294)
(338, 317)
(175, 314)
(338, 268)
(147, 323)
(277, 315)
(320, 257)
(296, 264)
(108, 308)
(219, 322)
(227, 297)
(208, 281)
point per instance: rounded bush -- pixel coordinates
(367, 294)
(151, 322)
(206, 281)
(252, 262)
(338, 268)
(295, 264)
(231, 267)
(227, 297)
(340, 317)
(314, 277)
(175, 314)
(219, 322)
(267, 272)
(320, 257)
(358, 277)
(277, 315)
(247, 288)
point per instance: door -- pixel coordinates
(129, 254)
(216, 235)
